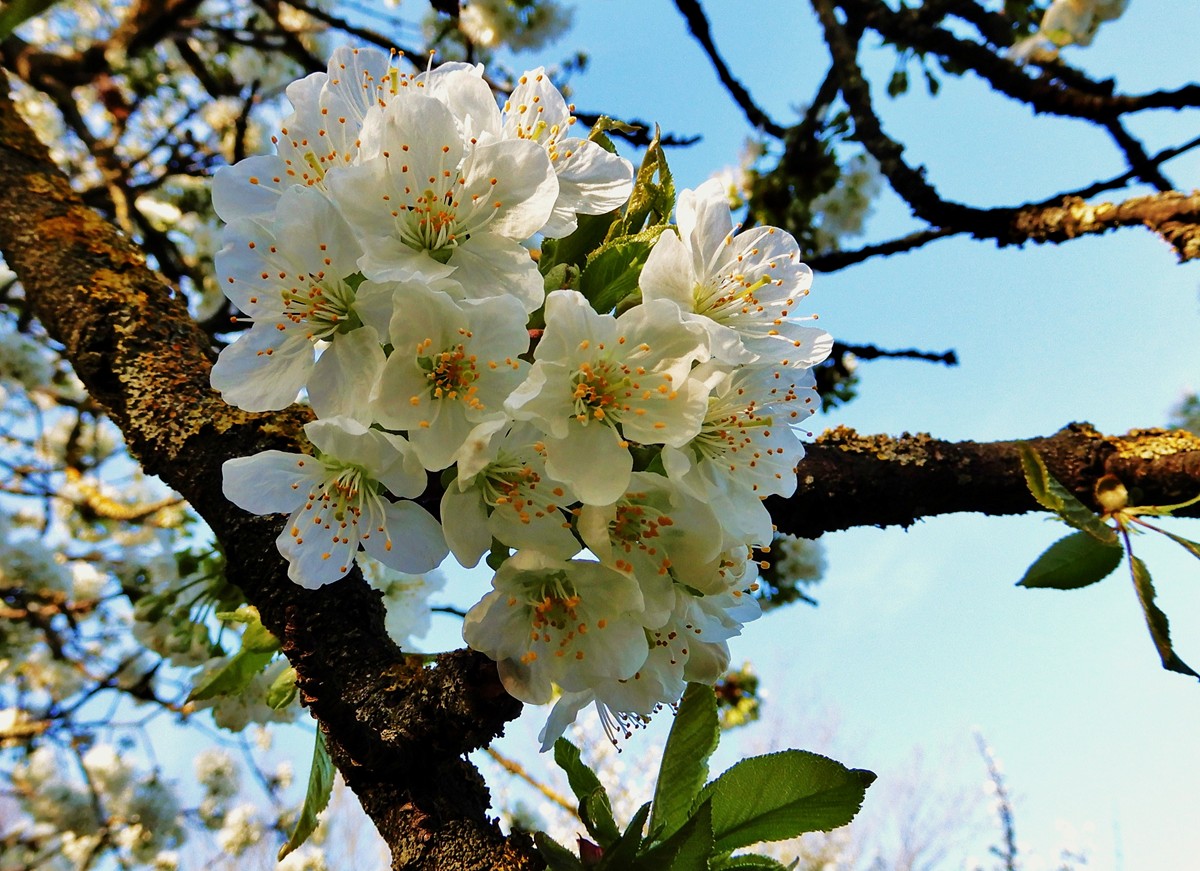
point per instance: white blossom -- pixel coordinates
(337, 501)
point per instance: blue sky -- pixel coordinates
(920, 635)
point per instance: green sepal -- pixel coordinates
(1156, 620)
(17, 12)
(594, 807)
(622, 852)
(693, 738)
(320, 787)
(282, 691)
(558, 857)
(1073, 562)
(782, 795)
(1052, 495)
(749, 862)
(688, 849)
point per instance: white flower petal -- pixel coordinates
(411, 542)
(270, 482)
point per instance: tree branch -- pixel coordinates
(849, 480)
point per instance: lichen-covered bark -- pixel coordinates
(848, 479)
(398, 731)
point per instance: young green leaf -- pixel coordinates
(594, 807)
(621, 853)
(1051, 494)
(650, 201)
(684, 768)
(577, 247)
(558, 857)
(782, 795)
(1073, 562)
(231, 678)
(613, 273)
(1161, 510)
(256, 638)
(1192, 547)
(1156, 620)
(282, 691)
(320, 787)
(749, 862)
(688, 849)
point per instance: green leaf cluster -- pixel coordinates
(1094, 551)
(603, 258)
(259, 647)
(694, 825)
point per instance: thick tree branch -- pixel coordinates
(849, 480)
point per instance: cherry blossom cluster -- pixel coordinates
(612, 464)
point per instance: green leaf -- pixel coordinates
(782, 795)
(613, 273)
(231, 678)
(1073, 562)
(1052, 495)
(256, 638)
(693, 738)
(282, 691)
(577, 247)
(594, 807)
(1156, 620)
(688, 849)
(603, 125)
(1192, 547)
(748, 862)
(258, 649)
(17, 12)
(651, 201)
(558, 857)
(621, 854)
(320, 787)
(1161, 509)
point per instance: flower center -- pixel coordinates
(732, 296)
(596, 390)
(451, 373)
(513, 483)
(326, 307)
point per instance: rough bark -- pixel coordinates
(398, 731)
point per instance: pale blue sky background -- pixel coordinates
(921, 635)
